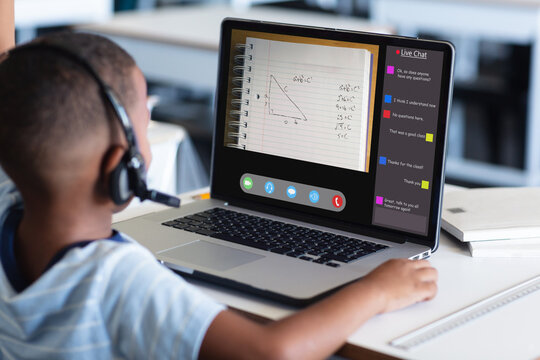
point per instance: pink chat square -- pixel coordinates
(390, 69)
(379, 200)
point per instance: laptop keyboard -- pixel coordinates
(278, 237)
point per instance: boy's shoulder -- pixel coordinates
(101, 268)
(89, 264)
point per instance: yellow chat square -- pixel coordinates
(429, 137)
(425, 184)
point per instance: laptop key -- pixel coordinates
(205, 232)
(333, 264)
(196, 217)
(354, 256)
(280, 250)
(189, 228)
(294, 254)
(362, 253)
(258, 245)
(225, 237)
(206, 226)
(340, 258)
(182, 220)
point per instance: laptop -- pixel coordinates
(328, 159)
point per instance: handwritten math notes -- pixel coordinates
(307, 102)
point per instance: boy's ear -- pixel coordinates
(112, 158)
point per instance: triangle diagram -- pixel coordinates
(280, 104)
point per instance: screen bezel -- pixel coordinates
(221, 154)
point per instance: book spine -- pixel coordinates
(500, 234)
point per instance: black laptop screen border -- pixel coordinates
(229, 164)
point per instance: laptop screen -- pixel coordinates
(333, 126)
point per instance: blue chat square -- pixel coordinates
(388, 99)
(382, 160)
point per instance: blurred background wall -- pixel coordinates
(495, 124)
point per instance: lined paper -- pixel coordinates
(307, 102)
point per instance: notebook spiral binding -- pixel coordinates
(238, 124)
(237, 92)
(238, 113)
(241, 76)
(237, 146)
(237, 135)
(239, 102)
(239, 80)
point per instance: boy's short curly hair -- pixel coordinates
(49, 103)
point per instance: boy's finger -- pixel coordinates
(428, 290)
(421, 263)
(427, 274)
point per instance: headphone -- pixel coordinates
(128, 178)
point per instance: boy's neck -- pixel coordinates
(47, 228)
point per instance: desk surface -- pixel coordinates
(509, 332)
(199, 26)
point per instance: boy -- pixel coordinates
(74, 288)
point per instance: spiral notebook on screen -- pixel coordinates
(327, 160)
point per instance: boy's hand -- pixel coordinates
(316, 332)
(402, 282)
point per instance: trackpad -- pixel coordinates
(204, 253)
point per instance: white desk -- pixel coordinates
(510, 332)
(466, 22)
(179, 45)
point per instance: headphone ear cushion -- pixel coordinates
(120, 190)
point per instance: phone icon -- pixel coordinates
(269, 187)
(337, 201)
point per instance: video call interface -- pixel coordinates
(312, 102)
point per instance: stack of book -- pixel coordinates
(495, 222)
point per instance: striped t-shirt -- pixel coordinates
(108, 299)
